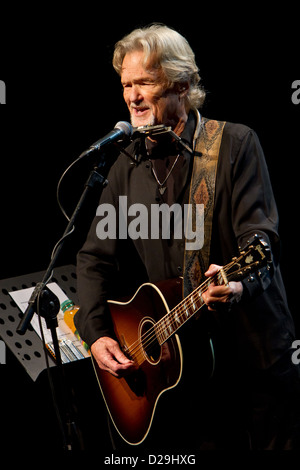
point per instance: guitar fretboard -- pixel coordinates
(186, 309)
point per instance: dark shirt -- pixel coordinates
(260, 325)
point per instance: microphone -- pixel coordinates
(161, 129)
(151, 130)
(121, 130)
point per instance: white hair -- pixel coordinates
(164, 48)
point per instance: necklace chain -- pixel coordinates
(161, 184)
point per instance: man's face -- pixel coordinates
(146, 95)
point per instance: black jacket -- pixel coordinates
(260, 325)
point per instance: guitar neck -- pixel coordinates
(186, 309)
(255, 255)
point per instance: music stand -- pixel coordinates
(28, 347)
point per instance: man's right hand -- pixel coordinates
(106, 351)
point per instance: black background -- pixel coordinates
(63, 94)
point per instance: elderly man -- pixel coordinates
(161, 86)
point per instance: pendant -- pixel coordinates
(162, 189)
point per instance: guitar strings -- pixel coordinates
(181, 309)
(156, 331)
(164, 323)
(137, 348)
(168, 321)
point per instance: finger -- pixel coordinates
(212, 270)
(219, 293)
(115, 361)
(216, 295)
(109, 364)
(120, 356)
(110, 357)
(218, 300)
(218, 290)
(212, 307)
(208, 301)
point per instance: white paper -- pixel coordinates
(22, 297)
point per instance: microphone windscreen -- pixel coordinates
(125, 127)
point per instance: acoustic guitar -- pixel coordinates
(146, 329)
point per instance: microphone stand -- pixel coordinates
(42, 301)
(94, 178)
(47, 304)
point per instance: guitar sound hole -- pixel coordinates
(151, 346)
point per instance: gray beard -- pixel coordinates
(150, 123)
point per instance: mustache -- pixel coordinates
(140, 106)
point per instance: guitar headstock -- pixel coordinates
(253, 257)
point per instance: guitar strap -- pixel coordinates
(202, 191)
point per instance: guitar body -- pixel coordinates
(145, 327)
(131, 400)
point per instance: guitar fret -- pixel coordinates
(200, 298)
(177, 319)
(186, 311)
(169, 324)
(164, 335)
(157, 334)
